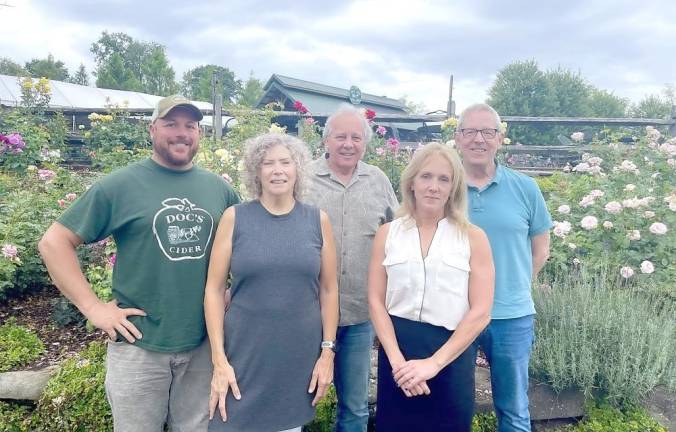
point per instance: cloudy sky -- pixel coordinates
(386, 47)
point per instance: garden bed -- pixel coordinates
(35, 313)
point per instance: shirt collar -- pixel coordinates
(324, 170)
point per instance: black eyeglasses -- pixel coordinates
(486, 133)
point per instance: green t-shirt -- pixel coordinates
(163, 222)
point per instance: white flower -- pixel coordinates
(613, 207)
(595, 170)
(653, 134)
(658, 228)
(645, 201)
(629, 188)
(668, 149)
(576, 261)
(647, 267)
(561, 229)
(581, 167)
(648, 214)
(627, 272)
(572, 246)
(586, 201)
(607, 224)
(628, 166)
(634, 235)
(589, 222)
(631, 203)
(563, 209)
(506, 141)
(567, 168)
(81, 126)
(596, 193)
(595, 160)
(577, 136)
(614, 146)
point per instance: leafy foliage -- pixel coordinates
(595, 337)
(75, 398)
(626, 193)
(48, 68)
(18, 346)
(124, 63)
(602, 417)
(196, 83)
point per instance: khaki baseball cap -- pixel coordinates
(165, 105)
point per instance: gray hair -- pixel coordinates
(479, 107)
(254, 153)
(343, 109)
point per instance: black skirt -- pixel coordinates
(449, 407)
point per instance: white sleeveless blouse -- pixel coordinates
(433, 290)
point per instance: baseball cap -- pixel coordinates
(165, 105)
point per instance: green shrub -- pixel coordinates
(596, 337)
(618, 207)
(14, 417)
(601, 417)
(485, 422)
(18, 346)
(325, 419)
(75, 399)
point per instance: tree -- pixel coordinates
(113, 75)
(569, 93)
(9, 67)
(656, 106)
(128, 64)
(196, 83)
(81, 77)
(251, 92)
(48, 68)
(522, 89)
(413, 107)
(157, 76)
(605, 104)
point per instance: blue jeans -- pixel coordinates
(351, 376)
(507, 344)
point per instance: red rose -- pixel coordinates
(370, 114)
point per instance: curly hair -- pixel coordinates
(254, 153)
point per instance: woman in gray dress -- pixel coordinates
(273, 350)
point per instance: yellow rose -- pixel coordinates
(26, 83)
(275, 128)
(449, 123)
(503, 127)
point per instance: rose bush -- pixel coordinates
(618, 208)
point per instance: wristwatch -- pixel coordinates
(329, 344)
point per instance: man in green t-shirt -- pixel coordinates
(162, 213)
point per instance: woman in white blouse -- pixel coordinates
(431, 281)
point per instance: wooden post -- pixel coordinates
(450, 108)
(218, 117)
(217, 98)
(672, 128)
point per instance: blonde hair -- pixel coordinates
(255, 150)
(455, 209)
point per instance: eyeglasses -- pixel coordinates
(486, 133)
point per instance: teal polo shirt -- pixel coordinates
(510, 209)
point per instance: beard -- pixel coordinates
(173, 159)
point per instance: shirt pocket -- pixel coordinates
(397, 267)
(453, 273)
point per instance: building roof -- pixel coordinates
(320, 98)
(75, 97)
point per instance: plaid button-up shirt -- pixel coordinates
(355, 210)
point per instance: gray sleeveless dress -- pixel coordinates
(273, 328)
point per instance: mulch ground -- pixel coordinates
(34, 312)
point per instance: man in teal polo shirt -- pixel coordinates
(510, 208)
(162, 213)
